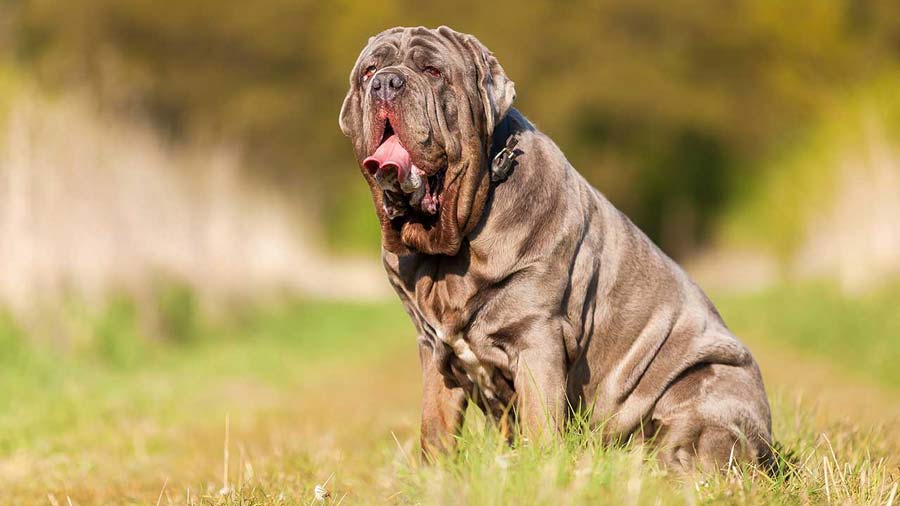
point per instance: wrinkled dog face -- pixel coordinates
(420, 111)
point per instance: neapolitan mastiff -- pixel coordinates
(527, 288)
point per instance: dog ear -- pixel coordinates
(347, 119)
(497, 91)
(351, 109)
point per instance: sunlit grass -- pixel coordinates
(328, 394)
(579, 469)
(860, 334)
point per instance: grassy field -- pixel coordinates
(266, 404)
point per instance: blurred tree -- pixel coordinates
(663, 105)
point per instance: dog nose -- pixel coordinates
(386, 86)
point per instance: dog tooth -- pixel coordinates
(413, 182)
(415, 186)
(416, 198)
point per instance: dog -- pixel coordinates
(531, 294)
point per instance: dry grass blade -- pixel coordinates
(403, 451)
(161, 492)
(225, 488)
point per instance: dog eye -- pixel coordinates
(370, 71)
(433, 72)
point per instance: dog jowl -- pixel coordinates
(531, 294)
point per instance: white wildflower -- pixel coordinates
(321, 493)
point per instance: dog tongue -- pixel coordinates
(390, 155)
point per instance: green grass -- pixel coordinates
(579, 469)
(113, 369)
(860, 334)
(328, 393)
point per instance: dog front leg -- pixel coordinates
(443, 407)
(540, 384)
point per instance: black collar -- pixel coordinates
(503, 151)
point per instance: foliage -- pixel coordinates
(802, 177)
(663, 105)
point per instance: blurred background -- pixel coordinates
(172, 176)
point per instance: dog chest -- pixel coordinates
(479, 372)
(473, 362)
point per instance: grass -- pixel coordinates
(861, 334)
(261, 406)
(580, 470)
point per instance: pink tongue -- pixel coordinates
(390, 155)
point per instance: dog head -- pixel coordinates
(421, 112)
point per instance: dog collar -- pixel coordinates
(503, 158)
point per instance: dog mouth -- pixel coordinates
(408, 192)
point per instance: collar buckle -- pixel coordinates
(503, 162)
